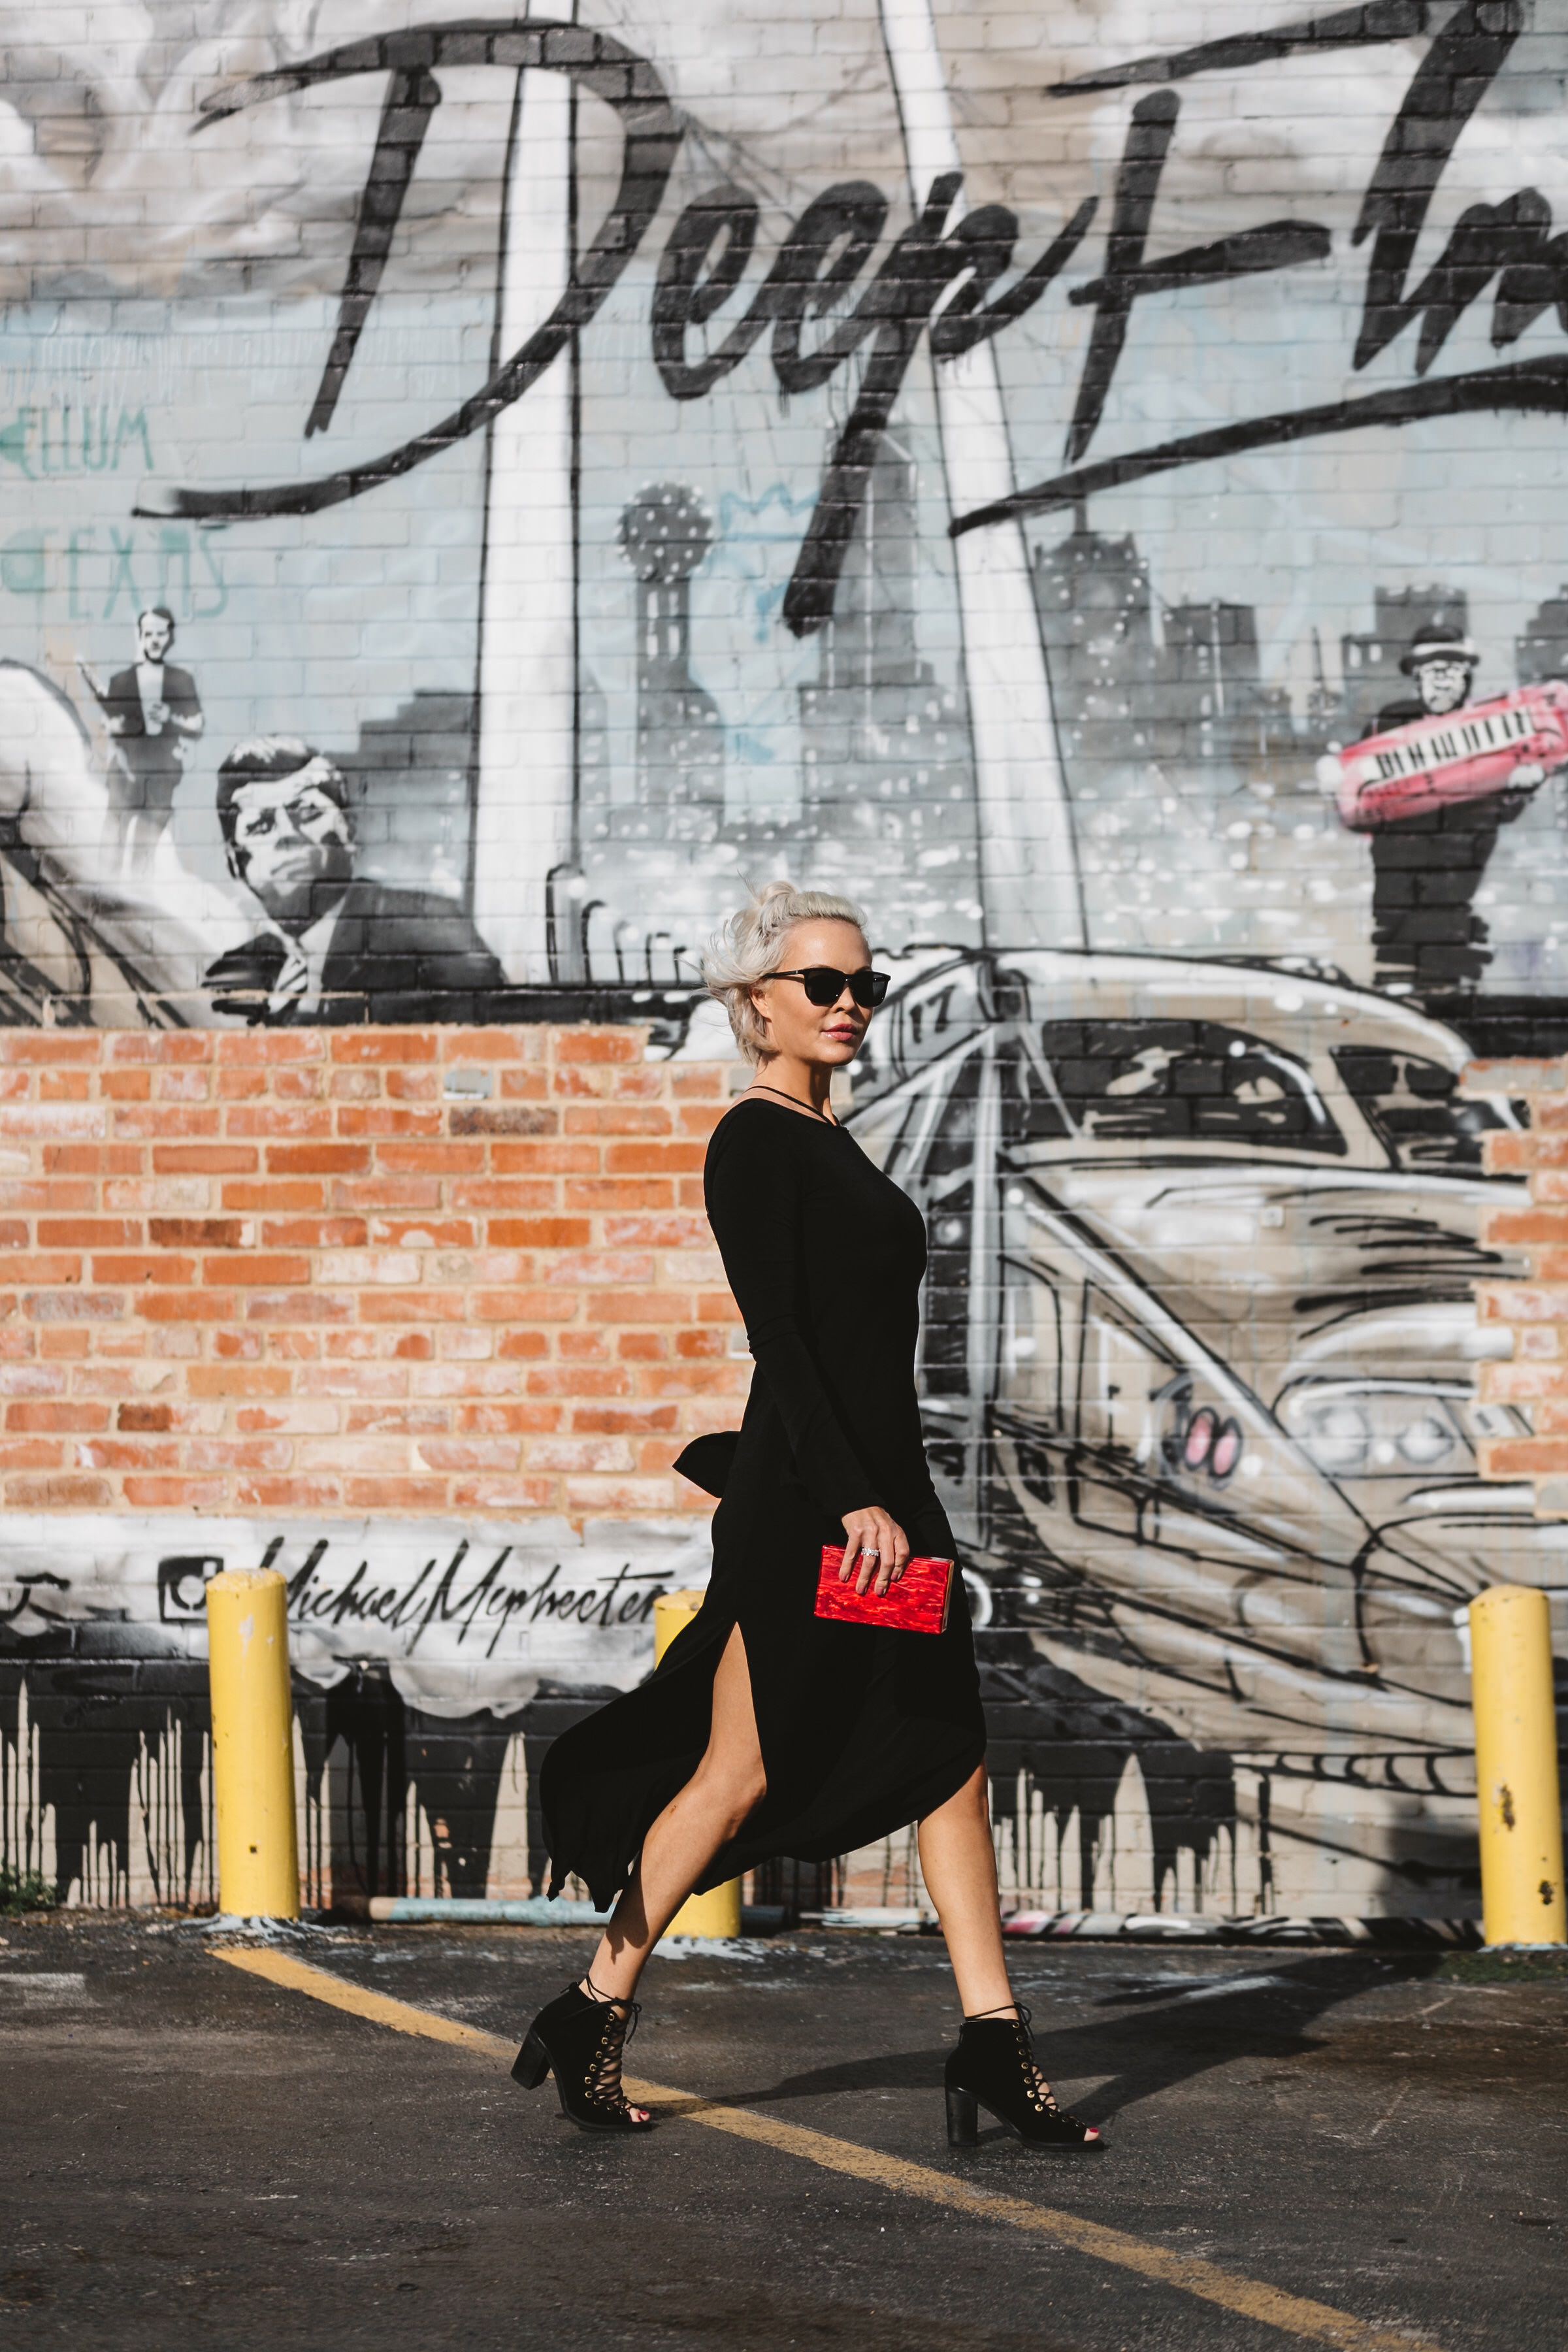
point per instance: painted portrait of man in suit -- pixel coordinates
(155, 718)
(338, 946)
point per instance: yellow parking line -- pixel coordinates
(1293, 2314)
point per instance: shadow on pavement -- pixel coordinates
(1170, 2035)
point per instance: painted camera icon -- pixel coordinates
(183, 1580)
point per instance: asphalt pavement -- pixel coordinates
(1367, 2151)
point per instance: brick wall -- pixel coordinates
(1535, 1310)
(400, 1270)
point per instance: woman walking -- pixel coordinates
(768, 1730)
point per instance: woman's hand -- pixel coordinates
(876, 1550)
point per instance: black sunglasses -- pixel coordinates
(825, 986)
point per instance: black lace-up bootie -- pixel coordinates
(994, 2067)
(580, 2041)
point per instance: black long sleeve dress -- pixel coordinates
(862, 1730)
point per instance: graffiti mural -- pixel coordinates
(1087, 483)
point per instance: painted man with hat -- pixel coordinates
(1426, 935)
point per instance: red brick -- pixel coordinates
(269, 1120)
(497, 1419)
(523, 1307)
(652, 1158)
(313, 1232)
(468, 1454)
(57, 1194)
(299, 1307)
(198, 1233)
(397, 1419)
(159, 1045)
(544, 1159)
(643, 1347)
(125, 1086)
(387, 1493)
(442, 1158)
(32, 1454)
(273, 1045)
(72, 1306)
(618, 1118)
(504, 1493)
(506, 1193)
(120, 1454)
(227, 1453)
(292, 1494)
(205, 1159)
(422, 1233)
(539, 1233)
(277, 1196)
(383, 1046)
(502, 1118)
(168, 1493)
(600, 1045)
(1523, 1458)
(413, 1304)
(387, 1120)
(491, 1044)
(58, 1494)
(239, 1380)
(606, 1193)
(45, 1266)
(639, 1307)
(144, 1268)
(48, 1047)
(189, 1306)
(624, 1420)
(146, 1418)
(319, 1160)
(145, 1121)
(75, 1417)
(410, 1192)
(275, 1270)
(580, 1380)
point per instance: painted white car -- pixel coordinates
(1198, 1346)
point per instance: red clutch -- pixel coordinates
(918, 1603)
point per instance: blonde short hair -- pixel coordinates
(746, 949)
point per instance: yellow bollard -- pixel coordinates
(1516, 1768)
(717, 1913)
(253, 1744)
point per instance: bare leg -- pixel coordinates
(703, 1816)
(959, 1863)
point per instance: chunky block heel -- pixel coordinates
(962, 2117)
(531, 2063)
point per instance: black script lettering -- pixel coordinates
(1445, 91)
(685, 298)
(1275, 244)
(898, 304)
(820, 259)
(1530, 388)
(1349, 28)
(412, 97)
(1536, 281)
(651, 131)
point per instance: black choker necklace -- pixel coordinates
(760, 1087)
